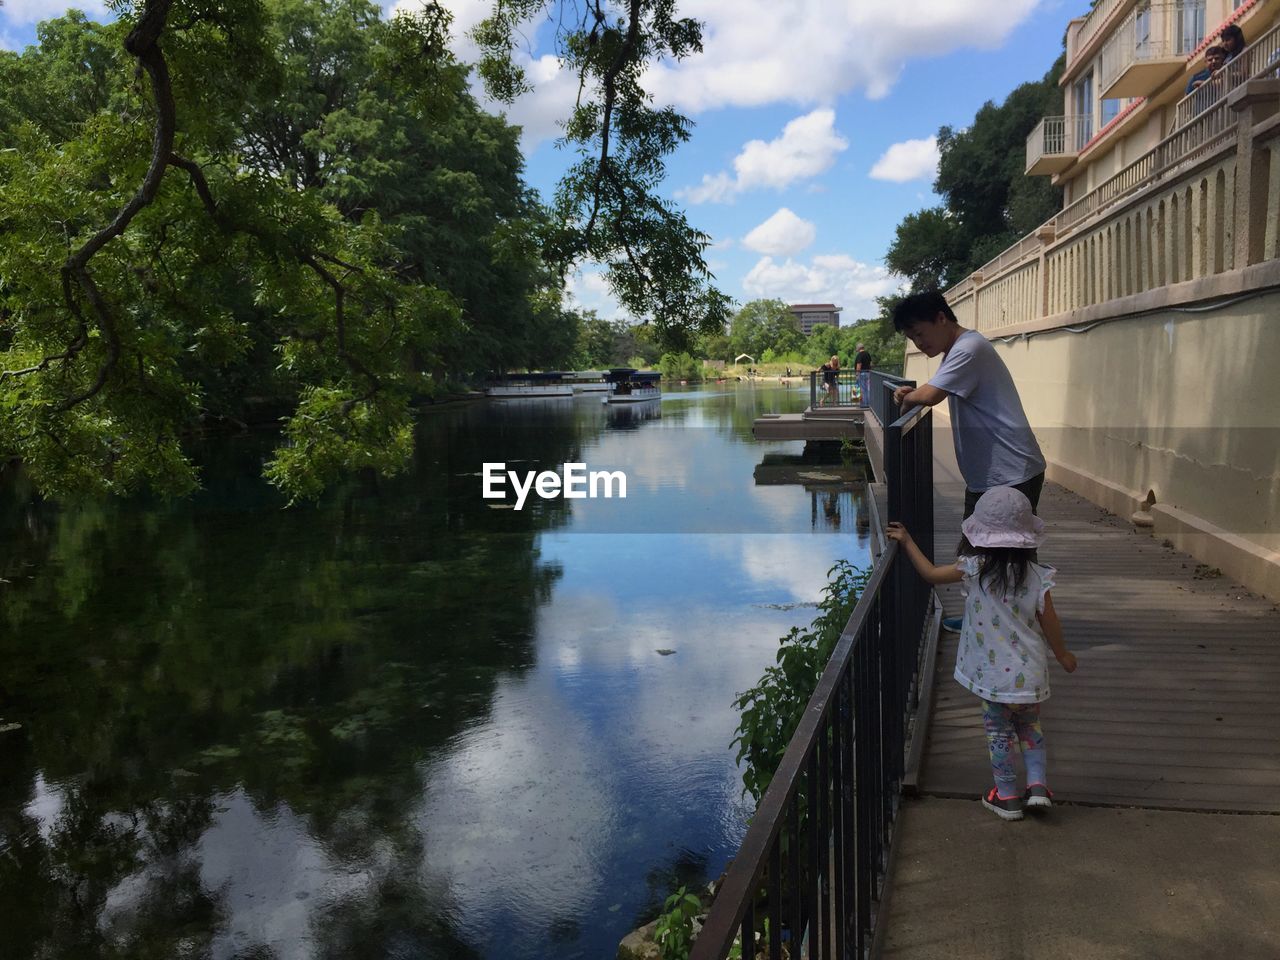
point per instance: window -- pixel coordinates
(1190, 26)
(1142, 31)
(1082, 101)
(1110, 110)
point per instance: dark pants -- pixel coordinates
(1029, 488)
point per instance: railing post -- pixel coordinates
(1046, 235)
(1252, 102)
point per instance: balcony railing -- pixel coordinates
(1149, 47)
(1055, 142)
(1260, 59)
(1186, 145)
(1092, 24)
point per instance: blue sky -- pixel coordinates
(796, 105)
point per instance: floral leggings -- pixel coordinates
(1010, 726)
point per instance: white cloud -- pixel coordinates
(23, 12)
(588, 289)
(807, 146)
(758, 52)
(540, 112)
(909, 160)
(781, 235)
(826, 278)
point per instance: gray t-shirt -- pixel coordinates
(994, 443)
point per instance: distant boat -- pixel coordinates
(523, 386)
(587, 381)
(631, 386)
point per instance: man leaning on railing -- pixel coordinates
(995, 446)
(1214, 59)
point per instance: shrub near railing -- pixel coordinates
(771, 710)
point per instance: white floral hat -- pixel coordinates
(1003, 518)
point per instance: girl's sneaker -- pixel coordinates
(1006, 808)
(1038, 795)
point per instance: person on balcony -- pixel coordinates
(995, 446)
(1214, 59)
(1232, 41)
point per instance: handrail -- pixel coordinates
(1148, 32)
(1024, 249)
(740, 879)
(819, 839)
(1058, 136)
(1202, 135)
(881, 399)
(1093, 21)
(819, 396)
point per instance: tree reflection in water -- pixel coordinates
(164, 660)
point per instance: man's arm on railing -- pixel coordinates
(925, 395)
(931, 572)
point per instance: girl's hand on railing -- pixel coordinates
(896, 531)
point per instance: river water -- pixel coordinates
(407, 722)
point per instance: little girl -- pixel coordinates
(1008, 617)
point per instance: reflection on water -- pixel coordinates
(401, 723)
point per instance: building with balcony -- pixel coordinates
(810, 315)
(1142, 322)
(1124, 84)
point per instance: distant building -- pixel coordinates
(810, 315)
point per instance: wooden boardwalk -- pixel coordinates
(1174, 704)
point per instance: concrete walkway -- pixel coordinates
(1173, 707)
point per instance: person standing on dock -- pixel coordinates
(995, 446)
(862, 364)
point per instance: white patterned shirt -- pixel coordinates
(1003, 655)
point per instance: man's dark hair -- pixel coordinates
(1220, 51)
(921, 307)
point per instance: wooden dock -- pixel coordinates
(1173, 705)
(816, 423)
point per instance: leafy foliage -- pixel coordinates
(762, 325)
(989, 203)
(680, 366)
(294, 209)
(771, 710)
(674, 930)
(607, 208)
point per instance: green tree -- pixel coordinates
(333, 237)
(714, 346)
(762, 325)
(988, 201)
(606, 205)
(595, 341)
(679, 366)
(822, 342)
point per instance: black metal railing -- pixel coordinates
(845, 390)
(880, 400)
(833, 388)
(811, 868)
